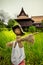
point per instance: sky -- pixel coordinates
(31, 7)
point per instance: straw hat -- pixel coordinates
(16, 25)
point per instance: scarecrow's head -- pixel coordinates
(18, 30)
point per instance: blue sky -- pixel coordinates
(31, 7)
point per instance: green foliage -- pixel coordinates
(5, 56)
(32, 29)
(34, 52)
(11, 23)
(42, 22)
(2, 24)
(3, 29)
(5, 52)
(39, 29)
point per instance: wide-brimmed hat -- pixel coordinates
(18, 26)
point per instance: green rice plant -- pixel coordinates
(33, 52)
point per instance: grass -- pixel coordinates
(33, 52)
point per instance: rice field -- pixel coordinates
(33, 52)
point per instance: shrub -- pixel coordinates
(32, 29)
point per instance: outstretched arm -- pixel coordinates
(31, 38)
(9, 43)
(28, 38)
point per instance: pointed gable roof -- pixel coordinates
(22, 13)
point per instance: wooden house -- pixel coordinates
(24, 20)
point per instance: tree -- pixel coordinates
(11, 23)
(2, 24)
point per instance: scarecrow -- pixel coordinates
(18, 54)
